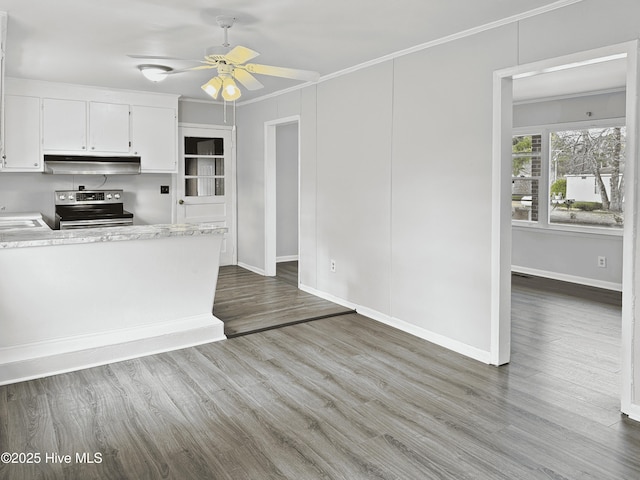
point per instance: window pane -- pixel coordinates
(203, 166)
(525, 172)
(203, 146)
(524, 199)
(586, 177)
(204, 187)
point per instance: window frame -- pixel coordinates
(543, 183)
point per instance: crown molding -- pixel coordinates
(423, 46)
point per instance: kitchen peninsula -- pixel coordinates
(72, 299)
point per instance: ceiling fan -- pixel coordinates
(230, 65)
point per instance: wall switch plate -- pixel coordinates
(164, 189)
(332, 266)
(602, 262)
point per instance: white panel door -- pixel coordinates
(206, 182)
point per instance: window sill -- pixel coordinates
(567, 229)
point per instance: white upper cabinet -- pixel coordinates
(22, 134)
(108, 127)
(51, 118)
(154, 138)
(80, 126)
(64, 125)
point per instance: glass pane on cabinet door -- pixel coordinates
(199, 166)
(204, 177)
(204, 187)
(203, 146)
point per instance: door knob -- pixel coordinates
(181, 201)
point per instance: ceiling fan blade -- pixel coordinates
(283, 72)
(240, 55)
(191, 69)
(161, 57)
(246, 79)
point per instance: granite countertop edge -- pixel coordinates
(40, 238)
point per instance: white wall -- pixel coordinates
(396, 173)
(568, 256)
(33, 192)
(206, 113)
(287, 191)
(601, 107)
(250, 173)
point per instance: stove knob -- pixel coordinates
(108, 196)
(62, 196)
(116, 196)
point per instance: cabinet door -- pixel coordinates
(64, 125)
(108, 127)
(154, 136)
(22, 134)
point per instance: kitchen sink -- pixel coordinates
(22, 221)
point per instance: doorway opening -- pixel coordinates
(502, 200)
(282, 191)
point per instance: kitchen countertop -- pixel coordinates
(39, 238)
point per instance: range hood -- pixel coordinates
(91, 165)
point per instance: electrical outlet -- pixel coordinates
(602, 262)
(164, 189)
(333, 266)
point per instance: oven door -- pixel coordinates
(94, 223)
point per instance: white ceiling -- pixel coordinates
(596, 77)
(87, 41)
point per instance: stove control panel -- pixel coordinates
(84, 197)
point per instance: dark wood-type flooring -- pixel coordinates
(248, 303)
(345, 398)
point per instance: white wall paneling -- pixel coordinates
(442, 172)
(354, 135)
(251, 173)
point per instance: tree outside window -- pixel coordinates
(586, 177)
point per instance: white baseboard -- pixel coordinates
(448, 343)
(590, 282)
(327, 296)
(26, 362)
(634, 412)
(253, 269)
(287, 258)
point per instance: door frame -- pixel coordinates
(232, 236)
(270, 191)
(501, 206)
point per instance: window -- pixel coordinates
(525, 177)
(586, 177)
(204, 167)
(570, 178)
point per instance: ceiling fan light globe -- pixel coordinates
(154, 73)
(230, 90)
(212, 87)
